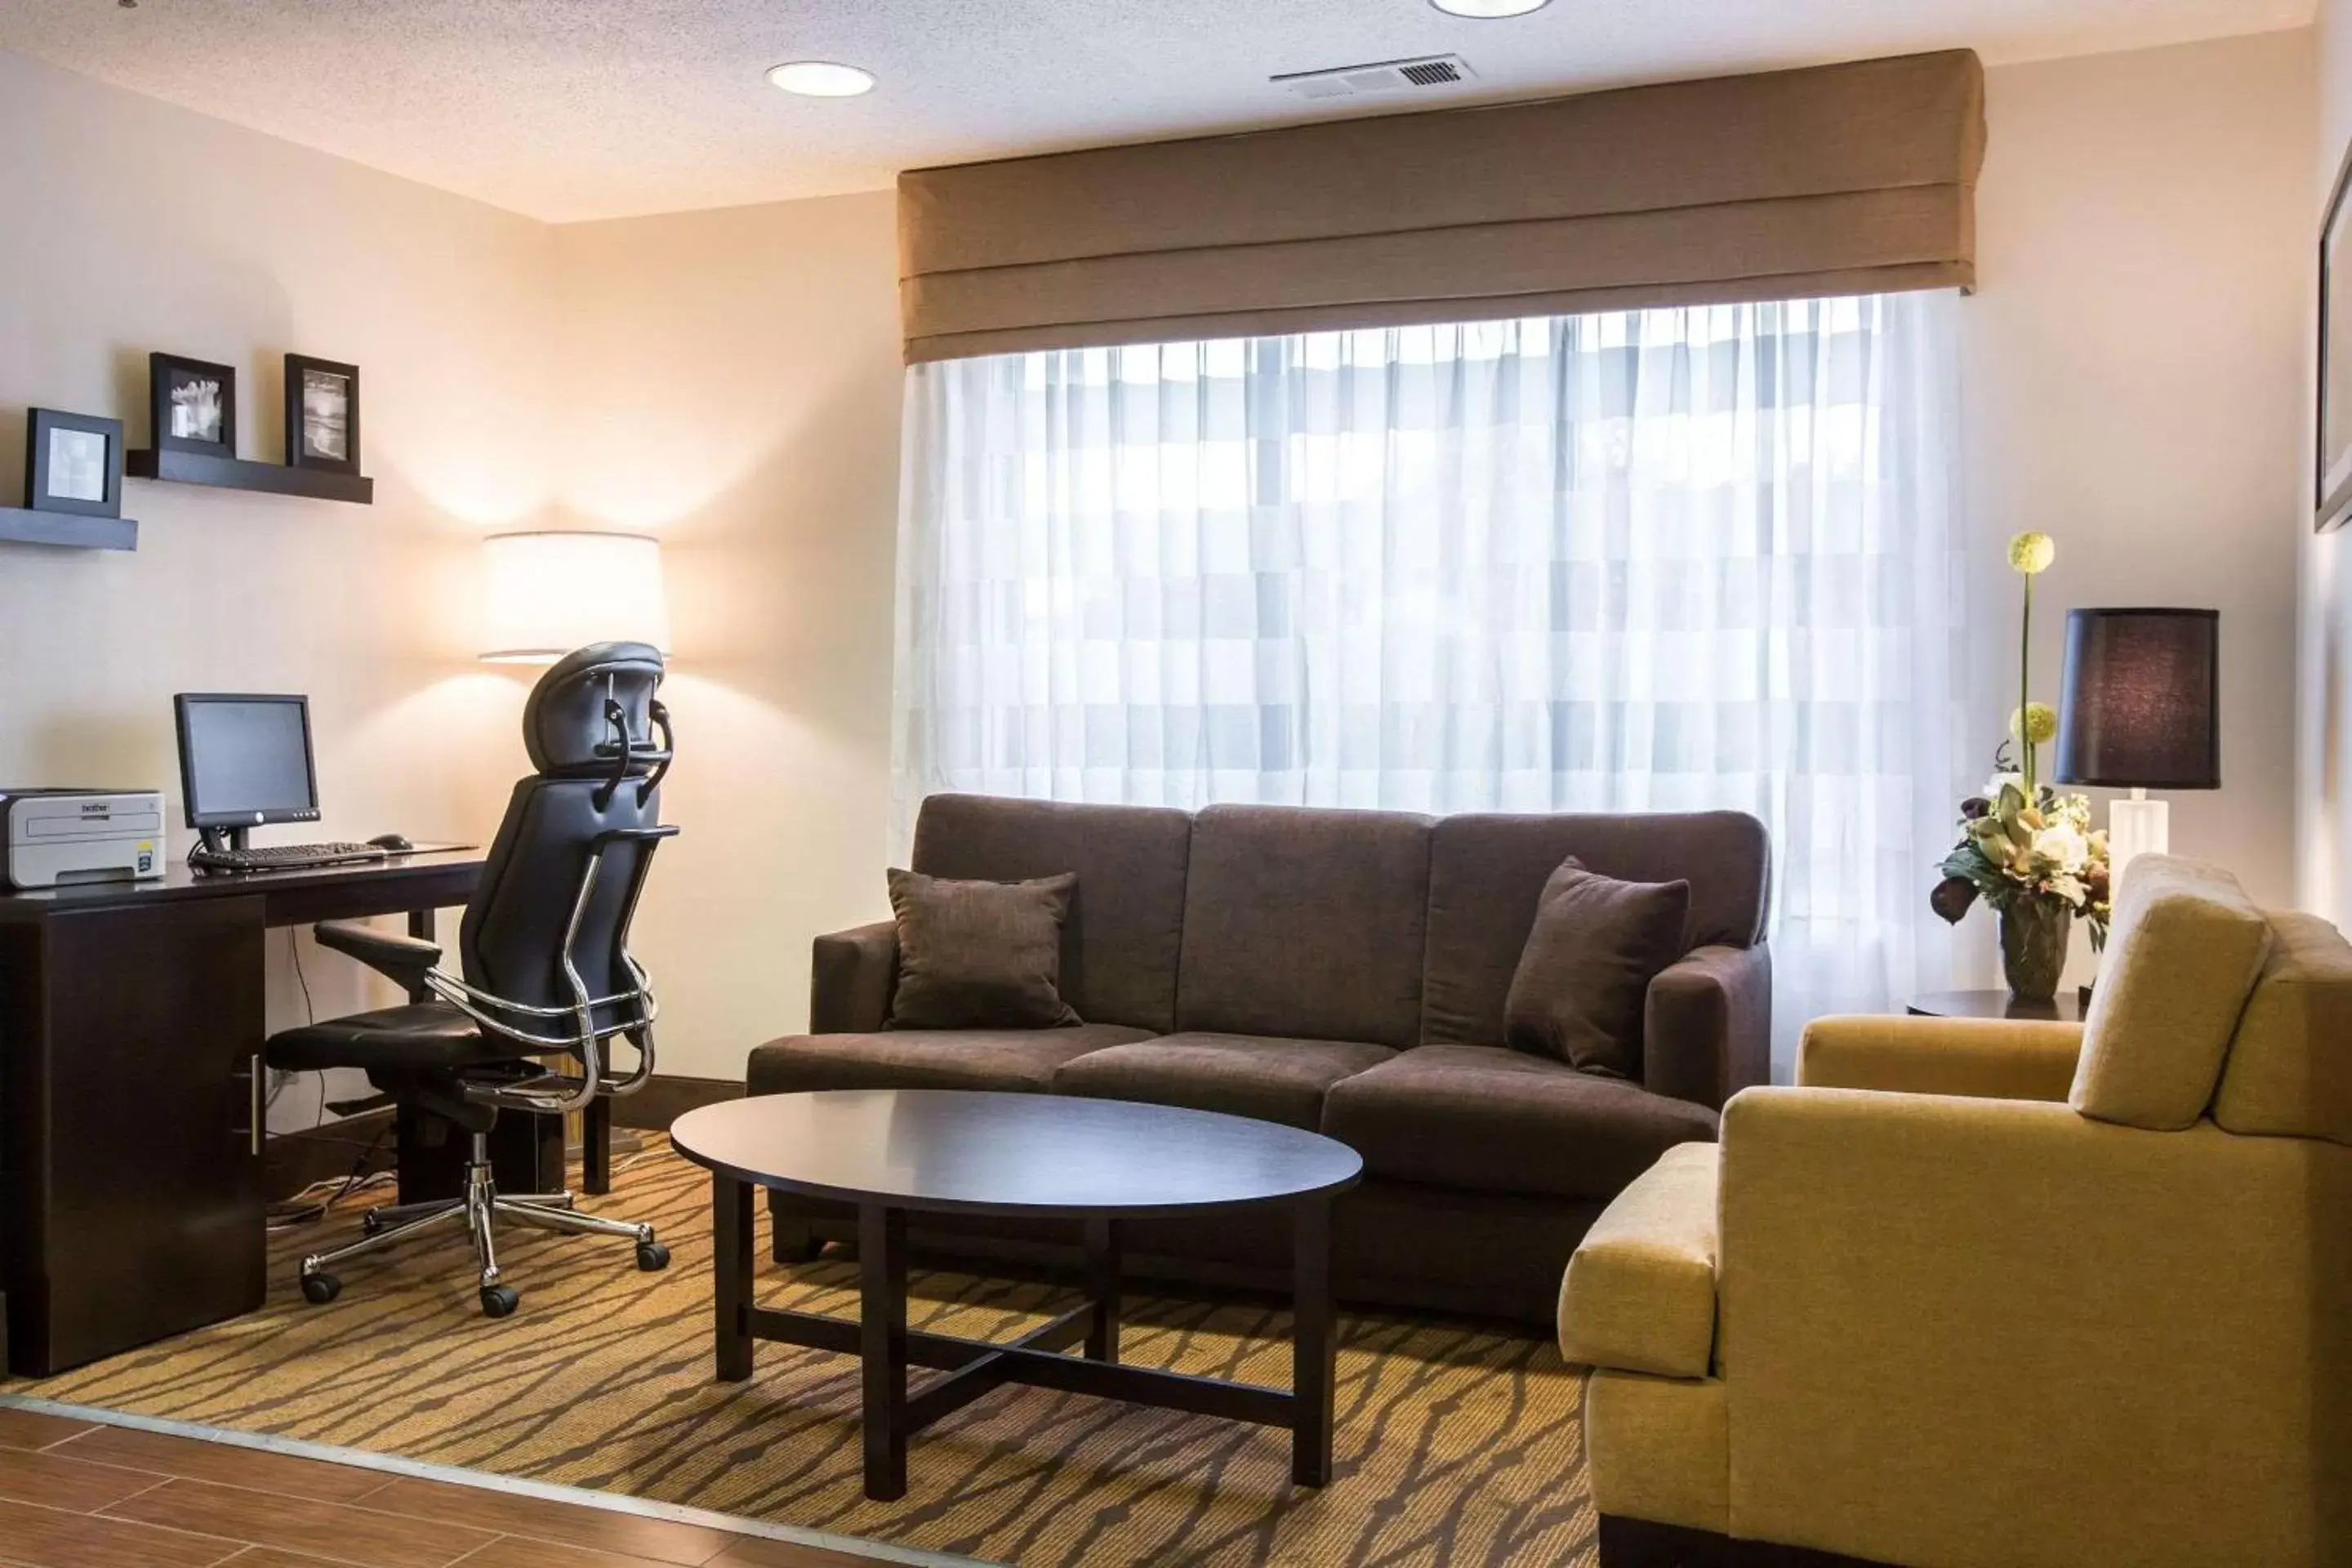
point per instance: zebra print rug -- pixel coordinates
(1457, 1445)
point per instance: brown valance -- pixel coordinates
(1856, 178)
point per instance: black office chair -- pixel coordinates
(544, 948)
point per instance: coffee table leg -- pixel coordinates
(730, 1239)
(1313, 1352)
(1102, 1287)
(882, 1344)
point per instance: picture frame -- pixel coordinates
(73, 463)
(2332, 480)
(322, 415)
(193, 403)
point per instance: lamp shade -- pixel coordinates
(551, 592)
(2139, 707)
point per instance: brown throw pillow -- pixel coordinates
(979, 955)
(1584, 977)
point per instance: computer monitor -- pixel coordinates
(245, 760)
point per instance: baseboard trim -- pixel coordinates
(292, 1161)
(1629, 1543)
(665, 1097)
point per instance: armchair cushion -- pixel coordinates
(1639, 1294)
(1987, 1058)
(2186, 948)
(1584, 975)
(1491, 1119)
(2290, 1068)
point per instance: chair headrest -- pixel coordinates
(568, 724)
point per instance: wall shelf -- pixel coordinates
(20, 526)
(240, 474)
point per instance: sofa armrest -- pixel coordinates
(851, 975)
(1987, 1058)
(1639, 1293)
(1930, 1306)
(1706, 1031)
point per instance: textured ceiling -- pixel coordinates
(581, 109)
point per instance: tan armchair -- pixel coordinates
(2017, 1294)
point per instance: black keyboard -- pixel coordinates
(284, 856)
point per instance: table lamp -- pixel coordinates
(553, 590)
(2140, 708)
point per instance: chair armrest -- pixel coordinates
(1639, 1293)
(404, 960)
(1706, 1030)
(1988, 1058)
(1930, 1306)
(851, 975)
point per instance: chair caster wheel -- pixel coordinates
(370, 1223)
(499, 1300)
(652, 1256)
(321, 1288)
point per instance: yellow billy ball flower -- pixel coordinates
(2032, 552)
(2040, 725)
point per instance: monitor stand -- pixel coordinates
(224, 840)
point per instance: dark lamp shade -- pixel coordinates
(2140, 704)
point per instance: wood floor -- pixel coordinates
(77, 1494)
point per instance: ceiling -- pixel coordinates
(570, 109)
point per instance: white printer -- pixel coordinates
(59, 836)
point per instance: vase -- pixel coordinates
(2034, 933)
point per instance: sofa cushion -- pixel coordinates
(2289, 1074)
(1486, 871)
(1639, 1293)
(1305, 923)
(1490, 1118)
(1242, 1075)
(2186, 948)
(1579, 993)
(1022, 1059)
(1119, 943)
(979, 955)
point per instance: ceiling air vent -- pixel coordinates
(1419, 75)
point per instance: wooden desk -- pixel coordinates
(132, 1095)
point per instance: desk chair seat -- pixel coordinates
(548, 988)
(420, 1036)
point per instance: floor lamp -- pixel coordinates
(2140, 708)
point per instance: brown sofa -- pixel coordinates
(1337, 970)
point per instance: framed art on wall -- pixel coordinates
(73, 463)
(322, 415)
(2332, 496)
(193, 405)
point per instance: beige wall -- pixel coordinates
(2133, 379)
(134, 226)
(2323, 653)
(729, 381)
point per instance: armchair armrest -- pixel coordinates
(1930, 1306)
(1987, 1058)
(1639, 1293)
(404, 960)
(851, 975)
(1706, 1029)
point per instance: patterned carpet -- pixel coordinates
(1458, 1446)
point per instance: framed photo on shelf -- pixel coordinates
(73, 463)
(2332, 498)
(322, 415)
(193, 405)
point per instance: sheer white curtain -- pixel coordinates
(1644, 561)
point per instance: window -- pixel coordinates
(1644, 561)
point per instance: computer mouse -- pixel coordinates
(392, 844)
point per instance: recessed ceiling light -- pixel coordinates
(1490, 8)
(824, 78)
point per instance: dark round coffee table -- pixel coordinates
(893, 1152)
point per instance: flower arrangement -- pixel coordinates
(2028, 851)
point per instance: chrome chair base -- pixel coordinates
(478, 1210)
